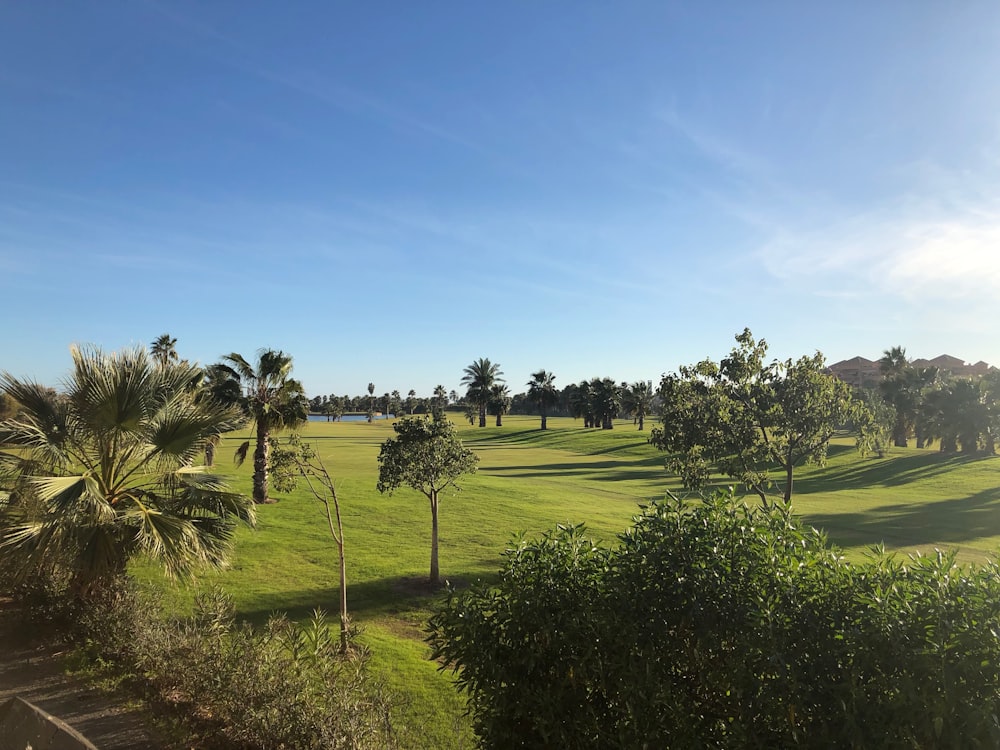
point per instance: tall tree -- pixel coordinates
(542, 392)
(479, 378)
(428, 456)
(272, 399)
(499, 401)
(163, 349)
(744, 417)
(107, 471)
(371, 402)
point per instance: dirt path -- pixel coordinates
(35, 672)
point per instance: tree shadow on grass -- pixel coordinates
(393, 596)
(890, 472)
(557, 440)
(916, 525)
(611, 470)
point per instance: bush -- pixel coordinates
(233, 686)
(716, 624)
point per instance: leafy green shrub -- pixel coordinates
(716, 624)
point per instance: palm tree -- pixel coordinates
(542, 391)
(897, 387)
(893, 361)
(499, 401)
(106, 471)
(272, 400)
(162, 349)
(478, 378)
(639, 399)
(581, 403)
(371, 402)
(439, 400)
(607, 396)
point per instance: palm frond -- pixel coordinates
(241, 453)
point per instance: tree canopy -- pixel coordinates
(744, 417)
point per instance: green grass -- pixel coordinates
(529, 481)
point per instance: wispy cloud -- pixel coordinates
(912, 256)
(716, 147)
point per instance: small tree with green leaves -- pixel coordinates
(743, 417)
(429, 457)
(874, 423)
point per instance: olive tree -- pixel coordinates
(744, 417)
(429, 457)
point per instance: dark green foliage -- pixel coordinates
(718, 625)
(745, 418)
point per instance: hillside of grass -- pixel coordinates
(529, 481)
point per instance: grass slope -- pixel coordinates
(529, 481)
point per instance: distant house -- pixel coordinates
(954, 366)
(857, 372)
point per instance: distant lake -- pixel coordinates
(347, 417)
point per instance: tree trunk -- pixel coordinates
(788, 481)
(499, 419)
(260, 455)
(482, 415)
(209, 454)
(435, 574)
(899, 434)
(544, 422)
(642, 421)
(345, 623)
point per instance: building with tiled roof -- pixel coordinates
(865, 373)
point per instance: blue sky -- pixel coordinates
(388, 191)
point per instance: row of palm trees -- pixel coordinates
(598, 401)
(930, 405)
